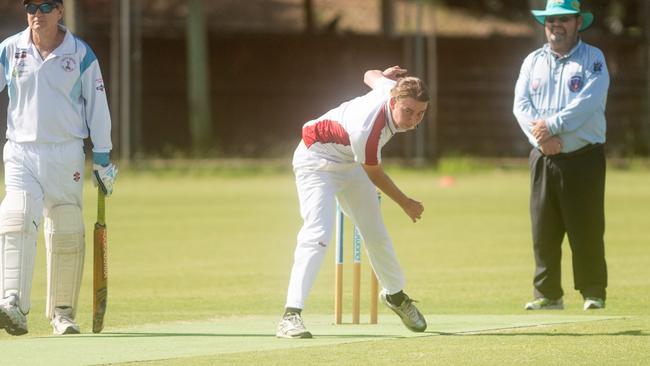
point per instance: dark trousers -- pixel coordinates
(567, 196)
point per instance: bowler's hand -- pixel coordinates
(104, 177)
(394, 72)
(540, 131)
(413, 209)
(551, 146)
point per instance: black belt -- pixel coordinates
(574, 153)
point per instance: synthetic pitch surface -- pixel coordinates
(180, 340)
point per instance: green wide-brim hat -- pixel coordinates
(25, 2)
(564, 7)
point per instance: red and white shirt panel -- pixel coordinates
(355, 131)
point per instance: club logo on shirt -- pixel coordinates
(575, 83)
(20, 54)
(19, 70)
(99, 85)
(76, 176)
(598, 67)
(68, 64)
(20, 65)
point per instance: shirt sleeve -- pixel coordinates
(97, 115)
(383, 86)
(523, 108)
(591, 98)
(4, 66)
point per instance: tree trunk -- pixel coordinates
(645, 124)
(198, 79)
(125, 81)
(388, 17)
(308, 11)
(71, 16)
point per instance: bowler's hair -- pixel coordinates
(410, 87)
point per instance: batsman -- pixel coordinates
(339, 159)
(56, 100)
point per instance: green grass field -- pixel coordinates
(200, 258)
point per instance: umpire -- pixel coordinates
(560, 100)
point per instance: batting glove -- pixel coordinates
(104, 177)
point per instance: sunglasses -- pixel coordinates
(45, 8)
(561, 19)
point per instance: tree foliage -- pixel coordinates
(612, 16)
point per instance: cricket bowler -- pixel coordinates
(339, 159)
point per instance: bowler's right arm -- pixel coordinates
(382, 181)
(371, 77)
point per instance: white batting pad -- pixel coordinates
(64, 239)
(18, 232)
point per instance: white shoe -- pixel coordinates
(12, 318)
(543, 303)
(410, 315)
(291, 326)
(594, 303)
(63, 323)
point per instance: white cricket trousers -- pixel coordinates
(319, 187)
(48, 175)
(52, 174)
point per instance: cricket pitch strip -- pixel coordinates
(179, 340)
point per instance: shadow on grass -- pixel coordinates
(633, 333)
(227, 335)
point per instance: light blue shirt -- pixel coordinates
(569, 92)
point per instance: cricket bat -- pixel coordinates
(100, 265)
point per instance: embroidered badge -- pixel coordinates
(20, 65)
(575, 4)
(99, 85)
(19, 70)
(575, 83)
(598, 67)
(68, 64)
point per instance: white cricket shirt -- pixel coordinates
(56, 100)
(355, 131)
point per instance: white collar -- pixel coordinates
(68, 46)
